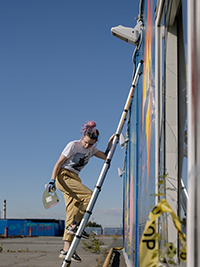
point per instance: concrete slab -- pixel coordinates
(44, 251)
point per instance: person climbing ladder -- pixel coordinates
(65, 177)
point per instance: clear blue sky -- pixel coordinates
(59, 67)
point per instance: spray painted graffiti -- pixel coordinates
(23, 227)
(41, 227)
(147, 86)
(140, 165)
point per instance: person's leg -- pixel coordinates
(63, 253)
(72, 206)
(67, 245)
(77, 197)
(70, 184)
(84, 194)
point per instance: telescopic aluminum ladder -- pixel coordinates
(88, 212)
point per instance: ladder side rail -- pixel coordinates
(184, 197)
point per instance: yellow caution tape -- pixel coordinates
(118, 248)
(107, 261)
(149, 241)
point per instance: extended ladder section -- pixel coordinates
(184, 197)
(88, 212)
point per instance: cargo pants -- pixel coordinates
(76, 196)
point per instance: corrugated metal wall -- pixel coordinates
(17, 227)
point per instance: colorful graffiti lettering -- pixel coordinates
(142, 146)
(147, 85)
(39, 227)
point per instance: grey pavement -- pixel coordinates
(44, 251)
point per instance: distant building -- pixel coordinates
(112, 231)
(34, 227)
(95, 230)
(46, 227)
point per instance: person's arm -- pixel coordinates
(57, 166)
(100, 154)
(103, 155)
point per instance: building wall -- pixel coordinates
(22, 227)
(17, 227)
(157, 125)
(140, 164)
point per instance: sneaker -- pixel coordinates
(74, 257)
(72, 231)
(85, 235)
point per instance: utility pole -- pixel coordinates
(4, 209)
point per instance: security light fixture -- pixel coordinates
(122, 140)
(127, 34)
(120, 172)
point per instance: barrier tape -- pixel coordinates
(149, 242)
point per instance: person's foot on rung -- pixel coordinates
(71, 230)
(75, 257)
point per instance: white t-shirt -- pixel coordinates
(77, 156)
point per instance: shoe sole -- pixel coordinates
(86, 237)
(61, 256)
(72, 233)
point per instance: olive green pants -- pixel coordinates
(76, 195)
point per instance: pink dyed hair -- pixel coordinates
(89, 128)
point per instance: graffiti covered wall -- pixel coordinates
(139, 181)
(17, 227)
